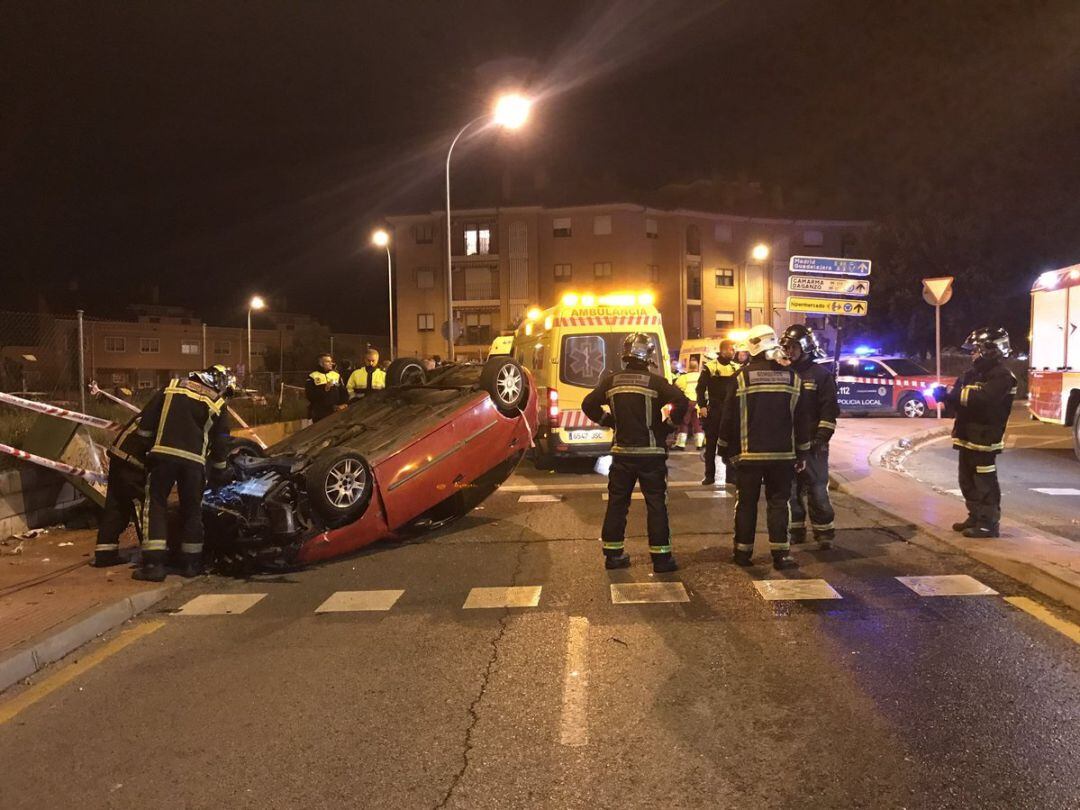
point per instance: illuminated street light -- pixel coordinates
(760, 252)
(255, 304)
(381, 238)
(510, 111)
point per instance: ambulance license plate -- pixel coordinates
(586, 435)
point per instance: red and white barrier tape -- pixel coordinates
(62, 413)
(122, 402)
(59, 466)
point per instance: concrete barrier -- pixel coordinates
(32, 498)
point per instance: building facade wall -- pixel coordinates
(678, 255)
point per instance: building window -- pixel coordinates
(477, 328)
(693, 281)
(115, 344)
(564, 272)
(725, 276)
(425, 322)
(560, 226)
(654, 274)
(258, 349)
(472, 283)
(424, 233)
(146, 380)
(693, 321)
(652, 231)
(724, 320)
(602, 269)
(693, 240)
(190, 347)
(222, 348)
(149, 345)
(813, 238)
(477, 240)
(425, 278)
(602, 225)
(722, 232)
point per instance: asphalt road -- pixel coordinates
(1038, 472)
(882, 698)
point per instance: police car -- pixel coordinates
(871, 383)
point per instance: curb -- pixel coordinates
(1045, 576)
(24, 663)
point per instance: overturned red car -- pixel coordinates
(411, 457)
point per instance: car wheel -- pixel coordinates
(505, 381)
(405, 371)
(340, 485)
(913, 406)
(245, 447)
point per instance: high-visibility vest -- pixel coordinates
(363, 380)
(687, 383)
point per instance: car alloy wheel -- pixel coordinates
(345, 483)
(914, 408)
(508, 383)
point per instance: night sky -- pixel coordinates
(217, 149)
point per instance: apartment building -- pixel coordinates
(700, 265)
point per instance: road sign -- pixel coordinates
(937, 291)
(832, 267)
(827, 306)
(834, 286)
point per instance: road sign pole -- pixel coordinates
(838, 320)
(937, 351)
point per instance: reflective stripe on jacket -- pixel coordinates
(187, 421)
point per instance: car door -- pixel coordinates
(853, 393)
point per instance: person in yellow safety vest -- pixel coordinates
(323, 389)
(687, 383)
(369, 377)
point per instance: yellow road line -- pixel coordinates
(69, 673)
(1030, 606)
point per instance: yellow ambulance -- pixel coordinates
(696, 348)
(568, 348)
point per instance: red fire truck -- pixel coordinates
(1054, 379)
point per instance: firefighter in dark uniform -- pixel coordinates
(766, 431)
(811, 490)
(125, 488)
(982, 400)
(188, 425)
(323, 388)
(635, 397)
(714, 386)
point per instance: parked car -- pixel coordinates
(416, 455)
(875, 384)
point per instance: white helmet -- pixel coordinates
(761, 338)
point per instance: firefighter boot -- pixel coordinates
(797, 535)
(825, 539)
(743, 558)
(664, 564)
(192, 565)
(964, 525)
(680, 442)
(152, 568)
(105, 559)
(783, 561)
(983, 530)
(699, 440)
(613, 561)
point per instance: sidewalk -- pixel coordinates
(52, 601)
(865, 457)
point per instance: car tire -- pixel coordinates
(339, 486)
(505, 381)
(1076, 435)
(405, 371)
(913, 406)
(245, 447)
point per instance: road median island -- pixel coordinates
(868, 465)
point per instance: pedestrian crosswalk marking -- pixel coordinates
(1056, 490)
(708, 494)
(539, 498)
(517, 596)
(634, 496)
(351, 601)
(783, 590)
(220, 604)
(640, 593)
(947, 585)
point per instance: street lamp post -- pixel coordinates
(511, 111)
(382, 239)
(256, 303)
